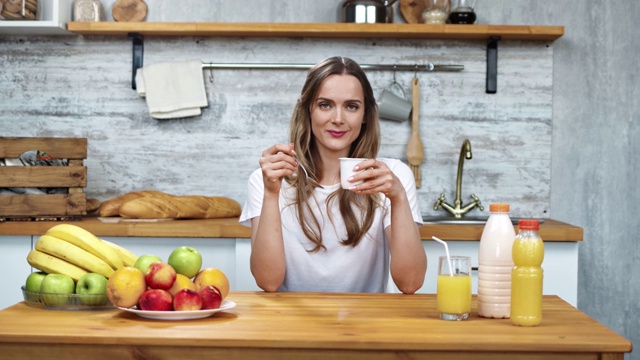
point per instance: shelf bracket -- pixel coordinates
(138, 55)
(492, 65)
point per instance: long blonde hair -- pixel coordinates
(366, 145)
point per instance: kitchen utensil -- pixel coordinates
(129, 10)
(366, 11)
(415, 149)
(311, 180)
(392, 106)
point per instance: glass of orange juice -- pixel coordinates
(454, 287)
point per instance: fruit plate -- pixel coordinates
(66, 301)
(180, 315)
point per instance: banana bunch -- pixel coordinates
(71, 250)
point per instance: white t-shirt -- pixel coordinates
(339, 268)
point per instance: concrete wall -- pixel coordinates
(557, 140)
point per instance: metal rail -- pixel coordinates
(385, 67)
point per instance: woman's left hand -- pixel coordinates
(378, 178)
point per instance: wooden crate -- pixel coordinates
(44, 206)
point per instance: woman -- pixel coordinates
(310, 234)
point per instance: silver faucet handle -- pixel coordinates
(477, 201)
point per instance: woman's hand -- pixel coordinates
(276, 163)
(378, 178)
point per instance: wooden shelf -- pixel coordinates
(323, 30)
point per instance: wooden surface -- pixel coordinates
(550, 230)
(327, 30)
(307, 326)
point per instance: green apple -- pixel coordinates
(143, 262)
(92, 289)
(34, 280)
(55, 287)
(186, 260)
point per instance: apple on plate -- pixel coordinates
(211, 297)
(155, 300)
(160, 275)
(34, 281)
(186, 260)
(92, 289)
(55, 288)
(187, 300)
(143, 262)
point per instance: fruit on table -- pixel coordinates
(143, 261)
(186, 260)
(52, 265)
(156, 300)
(88, 242)
(73, 254)
(187, 300)
(89, 286)
(182, 282)
(160, 275)
(125, 286)
(211, 297)
(128, 258)
(55, 287)
(34, 280)
(215, 277)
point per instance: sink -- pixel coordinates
(465, 220)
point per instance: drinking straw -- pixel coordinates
(446, 250)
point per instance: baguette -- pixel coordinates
(111, 207)
(180, 207)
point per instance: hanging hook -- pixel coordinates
(415, 75)
(394, 72)
(211, 76)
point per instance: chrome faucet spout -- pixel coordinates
(457, 209)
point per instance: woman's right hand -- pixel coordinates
(276, 163)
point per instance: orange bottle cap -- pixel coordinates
(499, 207)
(528, 224)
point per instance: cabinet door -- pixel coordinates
(219, 252)
(14, 265)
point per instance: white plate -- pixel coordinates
(180, 315)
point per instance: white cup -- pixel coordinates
(392, 106)
(346, 171)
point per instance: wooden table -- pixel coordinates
(307, 326)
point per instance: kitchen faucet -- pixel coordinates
(457, 210)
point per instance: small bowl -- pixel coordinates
(66, 301)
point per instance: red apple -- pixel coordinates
(211, 297)
(160, 275)
(156, 300)
(186, 299)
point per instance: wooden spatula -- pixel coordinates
(415, 149)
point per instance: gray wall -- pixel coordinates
(555, 141)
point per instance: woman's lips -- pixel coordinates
(336, 133)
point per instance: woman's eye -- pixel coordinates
(353, 107)
(323, 105)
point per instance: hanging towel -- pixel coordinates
(173, 90)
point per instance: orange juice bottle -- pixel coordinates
(527, 274)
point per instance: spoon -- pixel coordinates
(311, 180)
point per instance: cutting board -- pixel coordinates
(129, 10)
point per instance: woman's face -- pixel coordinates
(337, 114)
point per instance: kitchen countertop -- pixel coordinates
(307, 325)
(550, 230)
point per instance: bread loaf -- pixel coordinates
(180, 207)
(112, 207)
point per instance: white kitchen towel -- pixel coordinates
(173, 90)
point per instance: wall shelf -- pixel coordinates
(322, 30)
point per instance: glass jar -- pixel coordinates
(88, 10)
(19, 10)
(436, 12)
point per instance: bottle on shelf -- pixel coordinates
(495, 263)
(527, 275)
